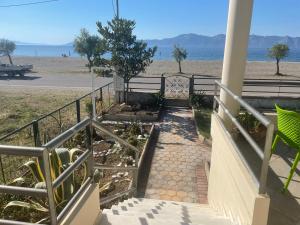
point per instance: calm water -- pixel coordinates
(163, 53)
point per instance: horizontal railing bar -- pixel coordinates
(255, 146)
(152, 77)
(52, 112)
(34, 192)
(106, 167)
(75, 197)
(21, 150)
(16, 131)
(255, 113)
(11, 222)
(64, 175)
(115, 196)
(153, 89)
(273, 92)
(60, 139)
(243, 159)
(270, 85)
(141, 82)
(107, 132)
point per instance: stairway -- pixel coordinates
(141, 211)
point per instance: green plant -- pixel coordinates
(159, 98)
(7, 47)
(134, 129)
(200, 100)
(249, 122)
(60, 160)
(133, 141)
(89, 108)
(129, 56)
(179, 55)
(85, 44)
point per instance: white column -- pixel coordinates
(235, 55)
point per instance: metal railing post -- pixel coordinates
(191, 86)
(108, 92)
(78, 110)
(215, 94)
(89, 145)
(162, 85)
(135, 174)
(50, 191)
(266, 159)
(2, 170)
(36, 133)
(101, 98)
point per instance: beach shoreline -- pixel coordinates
(71, 66)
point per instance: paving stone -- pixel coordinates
(178, 154)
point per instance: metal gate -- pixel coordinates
(177, 87)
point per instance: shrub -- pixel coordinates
(133, 141)
(134, 129)
(200, 100)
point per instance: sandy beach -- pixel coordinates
(58, 66)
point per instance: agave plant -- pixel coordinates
(60, 159)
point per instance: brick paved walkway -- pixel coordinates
(177, 171)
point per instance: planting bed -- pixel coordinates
(132, 113)
(110, 153)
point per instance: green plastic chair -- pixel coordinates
(289, 133)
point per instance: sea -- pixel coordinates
(163, 53)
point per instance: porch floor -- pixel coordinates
(285, 208)
(177, 171)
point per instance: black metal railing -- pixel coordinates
(45, 128)
(43, 154)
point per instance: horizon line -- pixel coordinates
(157, 39)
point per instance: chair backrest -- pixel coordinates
(289, 126)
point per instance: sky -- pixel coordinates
(59, 22)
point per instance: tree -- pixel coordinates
(86, 44)
(278, 52)
(128, 56)
(7, 47)
(179, 55)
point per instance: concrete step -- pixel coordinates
(140, 211)
(128, 207)
(107, 219)
(148, 201)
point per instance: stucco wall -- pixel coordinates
(86, 211)
(232, 190)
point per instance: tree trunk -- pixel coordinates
(179, 64)
(124, 92)
(277, 67)
(127, 89)
(90, 65)
(10, 60)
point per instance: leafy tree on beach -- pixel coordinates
(179, 55)
(128, 56)
(7, 47)
(278, 52)
(86, 44)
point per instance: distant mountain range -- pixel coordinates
(217, 41)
